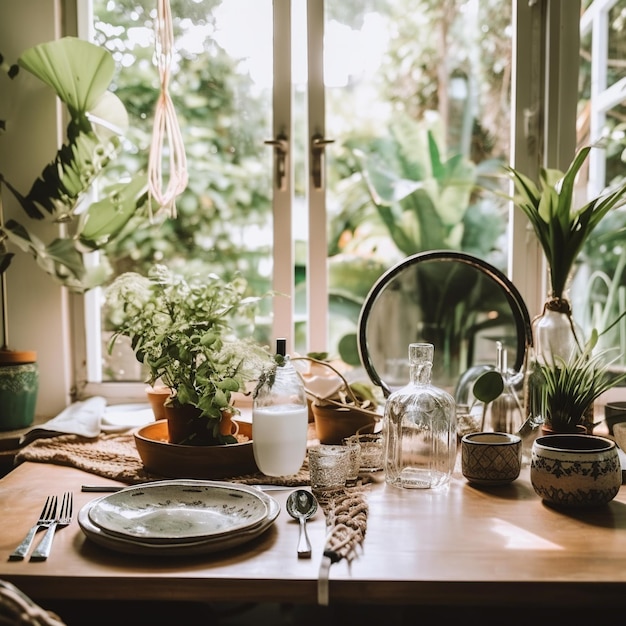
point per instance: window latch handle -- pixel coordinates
(281, 152)
(318, 147)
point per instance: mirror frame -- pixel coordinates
(513, 296)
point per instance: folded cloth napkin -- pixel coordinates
(80, 418)
(89, 418)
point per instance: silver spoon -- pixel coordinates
(301, 505)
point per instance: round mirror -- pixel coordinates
(459, 303)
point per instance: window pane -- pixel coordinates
(418, 106)
(221, 86)
(417, 103)
(599, 289)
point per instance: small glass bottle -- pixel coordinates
(419, 426)
(280, 418)
(506, 411)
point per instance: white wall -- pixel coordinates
(37, 306)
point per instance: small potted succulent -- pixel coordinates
(570, 387)
(183, 331)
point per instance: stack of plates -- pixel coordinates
(178, 517)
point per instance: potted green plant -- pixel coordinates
(184, 332)
(570, 387)
(79, 73)
(561, 228)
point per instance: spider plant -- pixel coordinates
(569, 388)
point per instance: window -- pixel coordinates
(530, 44)
(599, 288)
(359, 100)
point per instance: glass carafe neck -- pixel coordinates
(420, 363)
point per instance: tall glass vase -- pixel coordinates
(555, 336)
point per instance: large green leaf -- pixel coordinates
(104, 219)
(78, 71)
(59, 259)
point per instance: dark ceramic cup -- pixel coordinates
(614, 413)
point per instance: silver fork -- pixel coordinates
(42, 552)
(48, 513)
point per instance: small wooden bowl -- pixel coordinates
(171, 460)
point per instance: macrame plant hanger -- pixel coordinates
(167, 142)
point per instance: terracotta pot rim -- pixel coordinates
(18, 356)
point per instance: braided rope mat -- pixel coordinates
(115, 456)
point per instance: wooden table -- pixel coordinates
(460, 547)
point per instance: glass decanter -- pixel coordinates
(419, 426)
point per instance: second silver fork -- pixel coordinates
(42, 551)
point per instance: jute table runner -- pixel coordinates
(115, 456)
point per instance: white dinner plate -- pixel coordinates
(190, 548)
(179, 511)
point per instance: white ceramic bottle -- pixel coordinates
(280, 419)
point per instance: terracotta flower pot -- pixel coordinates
(156, 397)
(575, 471)
(185, 426)
(333, 424)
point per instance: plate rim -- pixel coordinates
(193, 483)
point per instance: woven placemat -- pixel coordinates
(115, 456)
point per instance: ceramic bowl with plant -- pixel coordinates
(186, 332)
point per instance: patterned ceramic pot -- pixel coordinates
(575, 470)
(491, 458)
(19, 387)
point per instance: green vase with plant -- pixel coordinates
(185, 331)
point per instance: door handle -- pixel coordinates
(281, 151)
(318, 147)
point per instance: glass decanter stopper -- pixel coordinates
(419, 426)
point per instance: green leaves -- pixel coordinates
(569, 388)
(561, 229)
(183, 329)
(488, 386)
(78, 71)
